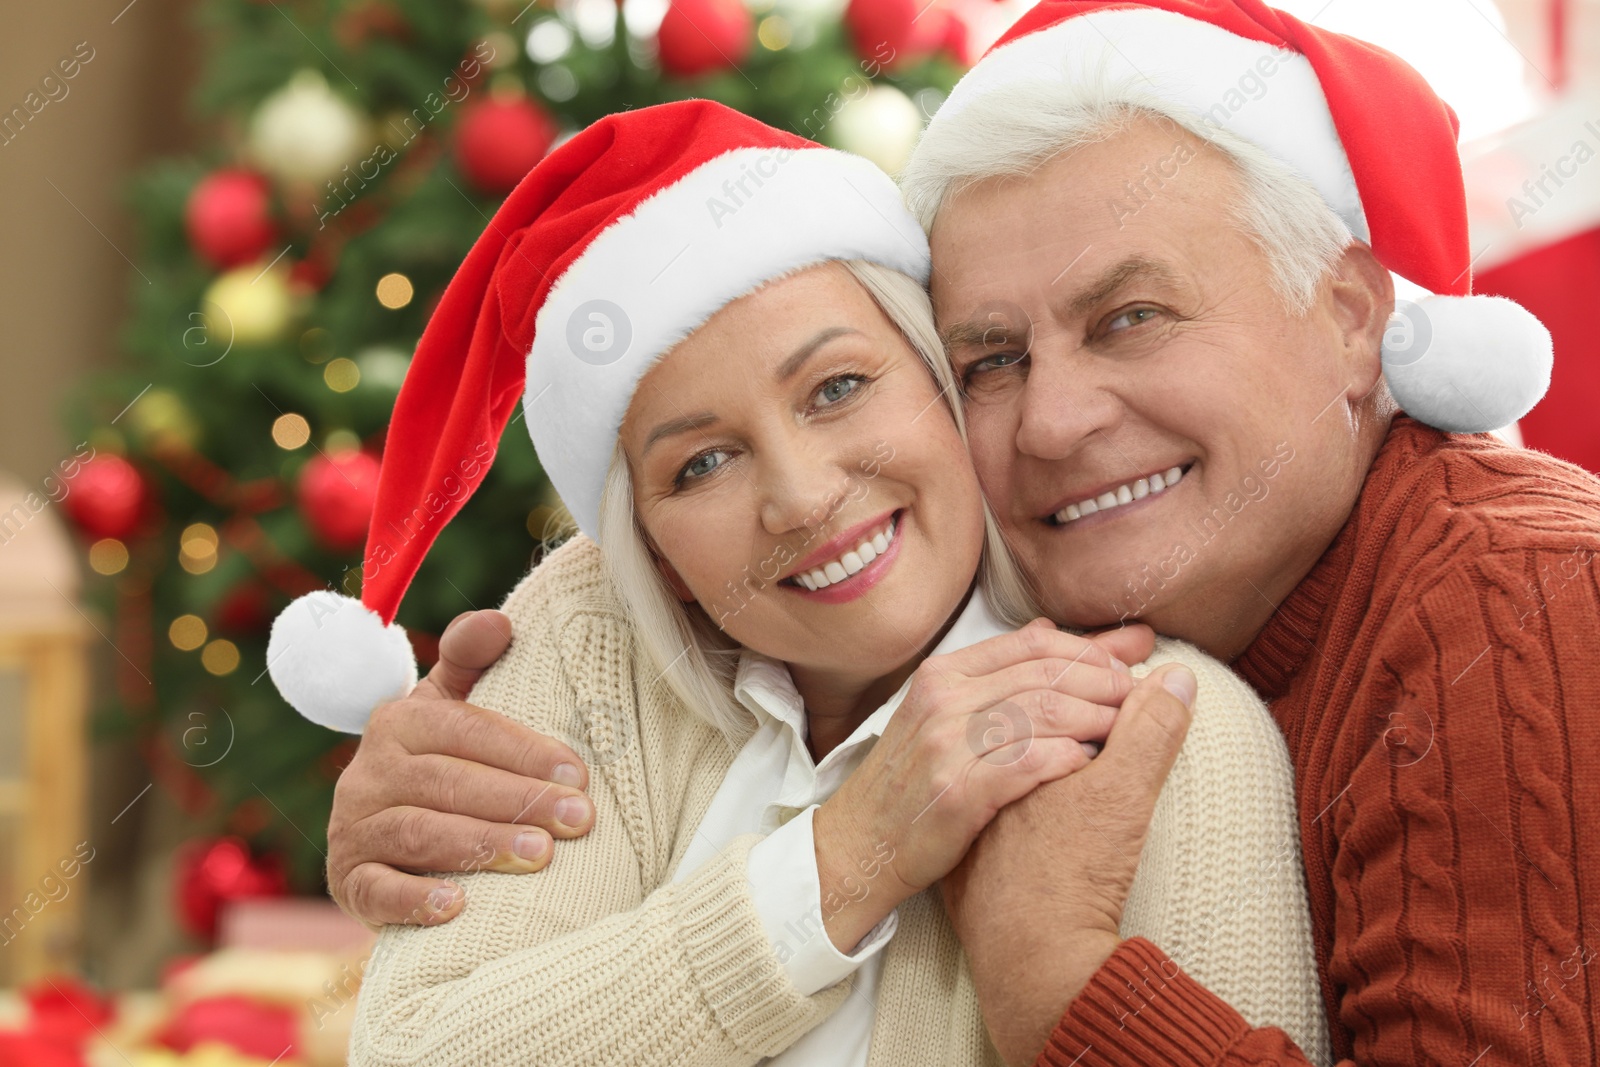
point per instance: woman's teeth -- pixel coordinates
(1122, 494)
(839, 569)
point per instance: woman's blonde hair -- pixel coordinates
(689, 653)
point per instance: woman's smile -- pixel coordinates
(851, 563)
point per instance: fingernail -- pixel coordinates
(566, 774)
(441, 898)
(1118, 665)
(1180, 682)
(572, 811)
(1090, 749)
(530, 846)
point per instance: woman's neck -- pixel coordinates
(837, 702)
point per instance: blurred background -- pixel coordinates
(225, 223)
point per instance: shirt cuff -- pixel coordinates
(787, 893)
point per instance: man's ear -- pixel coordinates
(1361, 292)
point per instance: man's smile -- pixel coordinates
(1081, 506)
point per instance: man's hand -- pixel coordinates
(1038, 900)
(440, 785)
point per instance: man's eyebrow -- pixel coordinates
(981, 332)
(990, 332)
(1134, 268)
(797, 359)
(673, 427)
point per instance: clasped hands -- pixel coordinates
(1037, 900)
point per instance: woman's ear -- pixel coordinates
(1362, 296)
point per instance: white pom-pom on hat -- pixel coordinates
(1466, 364)
(333, 659)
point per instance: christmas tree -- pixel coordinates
(360, 147)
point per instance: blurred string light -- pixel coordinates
(549, 40)
(197, 548)
(1460, 46)
(290, 431)
(775, 33)
(595, 20)
(220, 657)
(643, 17)
(108, 556)
(341, 375)
(187, 633)
(557, 83)
(394, 290)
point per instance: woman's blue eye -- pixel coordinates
(836, 389)
(701, 465)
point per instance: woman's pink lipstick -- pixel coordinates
(857, 584)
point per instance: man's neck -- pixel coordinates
(1225, 619)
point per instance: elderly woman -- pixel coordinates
(801, 702)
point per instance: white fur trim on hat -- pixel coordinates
(1267, 95)
(653, 277)
(334, 660)
(1466, 364)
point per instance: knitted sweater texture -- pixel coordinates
(602, 959)
(1437, 676)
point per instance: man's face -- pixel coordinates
(1110, 322)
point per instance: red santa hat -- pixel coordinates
(614, 248)
(1358, 123)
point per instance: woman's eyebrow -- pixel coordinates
(673, 427)
(797, 359)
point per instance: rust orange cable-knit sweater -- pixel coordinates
(1437, 675)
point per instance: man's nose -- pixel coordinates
(1063, 406)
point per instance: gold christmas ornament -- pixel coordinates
(254, 305)
(305, 133)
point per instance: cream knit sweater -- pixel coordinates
(602, 959)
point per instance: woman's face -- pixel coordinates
(796, 436)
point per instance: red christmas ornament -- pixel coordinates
(892, 33)
(229, 218)
(64, 1011)
(499, 141)
(38, 1050)
(314, 271)
(212, 872)
(958, 41)
(336, 495)
(704, 36)
(106, 497)
(245, 609)
(250, 1027)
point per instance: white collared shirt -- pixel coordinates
(773, 788)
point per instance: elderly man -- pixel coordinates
(1164, 238)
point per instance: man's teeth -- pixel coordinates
(839, 569)
(1122, 494)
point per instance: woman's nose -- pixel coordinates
(803, 487)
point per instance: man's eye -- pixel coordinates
(1133, 317)
(836, 389)
(700, 466)
(988, 364)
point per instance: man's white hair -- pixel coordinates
(1013, 129)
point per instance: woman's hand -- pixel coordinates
(979, 728)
